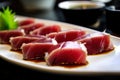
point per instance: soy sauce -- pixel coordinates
(74, 65)
(36, 60)
(83, 6)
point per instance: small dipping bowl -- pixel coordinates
(113, 19)
(84, 13)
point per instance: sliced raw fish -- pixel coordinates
(67, 53)
(33, 51)
(7, 34)
(97, 42)
(28, 28)
(46, 30)
(26, 22)
(16, 42)
(67, 35)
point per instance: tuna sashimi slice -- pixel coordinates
(46, 30)
(26, 22)
(7, 34)
(16, 42)
(67, 53)
(28, 28)
(33, 51)
(97, 42)
(67, 35)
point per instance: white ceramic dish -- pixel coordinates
(108, 63)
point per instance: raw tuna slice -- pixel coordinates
(52, 35)
(31, 27)
(97, 43)
(7, 34)
(46, 30)
(16, 42)
(33, 51)
(67, 35)
(26, 22)
(67, 53)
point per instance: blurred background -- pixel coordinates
(47, 9)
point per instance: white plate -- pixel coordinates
(108, 63)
